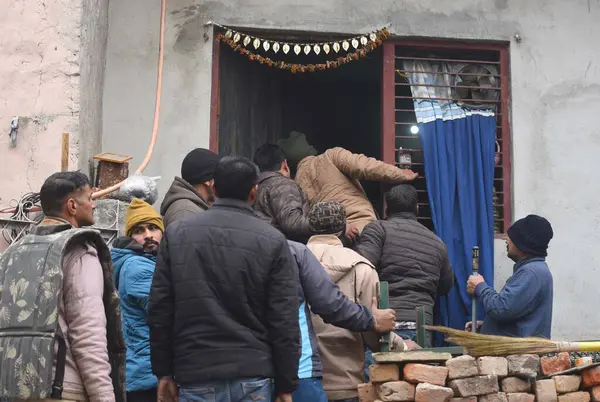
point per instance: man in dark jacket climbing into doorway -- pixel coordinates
(192, 192)
(223, 310)
(410, 257)
(280, 201)
(523, 307)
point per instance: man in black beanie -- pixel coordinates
(192, 192)
(523, 307)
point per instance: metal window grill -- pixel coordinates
(399, 114)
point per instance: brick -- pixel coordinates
(429, 393)
(467, 399)
(499, 397)
(591, 377)
(526, 366)
(595, 393)
(567, 383)
(545, 390)
(515, 385)
(462, 367)
(474, 386)
(551, 365)
(520, 397)
(490, 365)
(367, 392)
(396, 391)
(416, 373)
(384, 372)
(581, 396)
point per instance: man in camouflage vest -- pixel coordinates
(60, 322)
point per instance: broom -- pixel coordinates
(492, 345)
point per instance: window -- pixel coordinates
(399, 120)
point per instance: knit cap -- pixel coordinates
(296, 148)
(199, 166)
(532, 235)
(141, 212)
(327, 218)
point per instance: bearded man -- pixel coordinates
(134, 259)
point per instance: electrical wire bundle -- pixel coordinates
(20, 212)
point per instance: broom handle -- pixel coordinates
(591, 346)
(475, 264)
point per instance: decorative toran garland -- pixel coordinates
(371, 45)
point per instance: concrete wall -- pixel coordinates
(39, 82)
(555, 101)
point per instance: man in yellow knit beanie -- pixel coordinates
(134, 258)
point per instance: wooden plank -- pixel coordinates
(411, 356)
(113, 158)
(64, 154)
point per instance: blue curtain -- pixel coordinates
(459, 169)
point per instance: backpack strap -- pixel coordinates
(61, 360)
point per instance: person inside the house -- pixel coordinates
(334, 176)
(223, 309)
(321, 296)
(86, 314)
(523, 307)
(342, 348)
(134, 259)
(280, 201)
(410, 257)
(192, 192)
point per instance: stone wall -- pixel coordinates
(432, 377)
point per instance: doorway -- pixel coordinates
(338, 107)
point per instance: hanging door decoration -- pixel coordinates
(334, 53)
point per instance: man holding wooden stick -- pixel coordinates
(523, 307)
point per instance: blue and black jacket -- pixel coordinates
(324, 298)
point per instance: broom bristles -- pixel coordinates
(493, 345)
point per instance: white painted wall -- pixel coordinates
(555, 102)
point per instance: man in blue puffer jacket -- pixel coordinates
(134, 259)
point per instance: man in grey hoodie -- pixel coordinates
(192, 192)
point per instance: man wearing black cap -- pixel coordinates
(192, 192)
(523, 307)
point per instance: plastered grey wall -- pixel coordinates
(555, 102)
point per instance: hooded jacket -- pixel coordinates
(325, 299)
(342, 351)
(334, 176)
(281, 203)
(133, 272)
(182, 200)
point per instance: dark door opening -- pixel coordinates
(338, 107)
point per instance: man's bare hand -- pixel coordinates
(385, 320)
(167, 390)
(469, 325)
(284, 398)
(351, 232)
(472, 283)
(410, 175)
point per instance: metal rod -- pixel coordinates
(475, 264)
(447, 73)
(383, 298)
(447, 60)
(448, 99)
(406, 84)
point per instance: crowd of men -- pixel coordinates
(256, 282)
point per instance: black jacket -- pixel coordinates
(282, 203)
(224, 300)
(412, 259)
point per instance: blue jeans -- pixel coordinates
(309, 390)
(245, 390)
